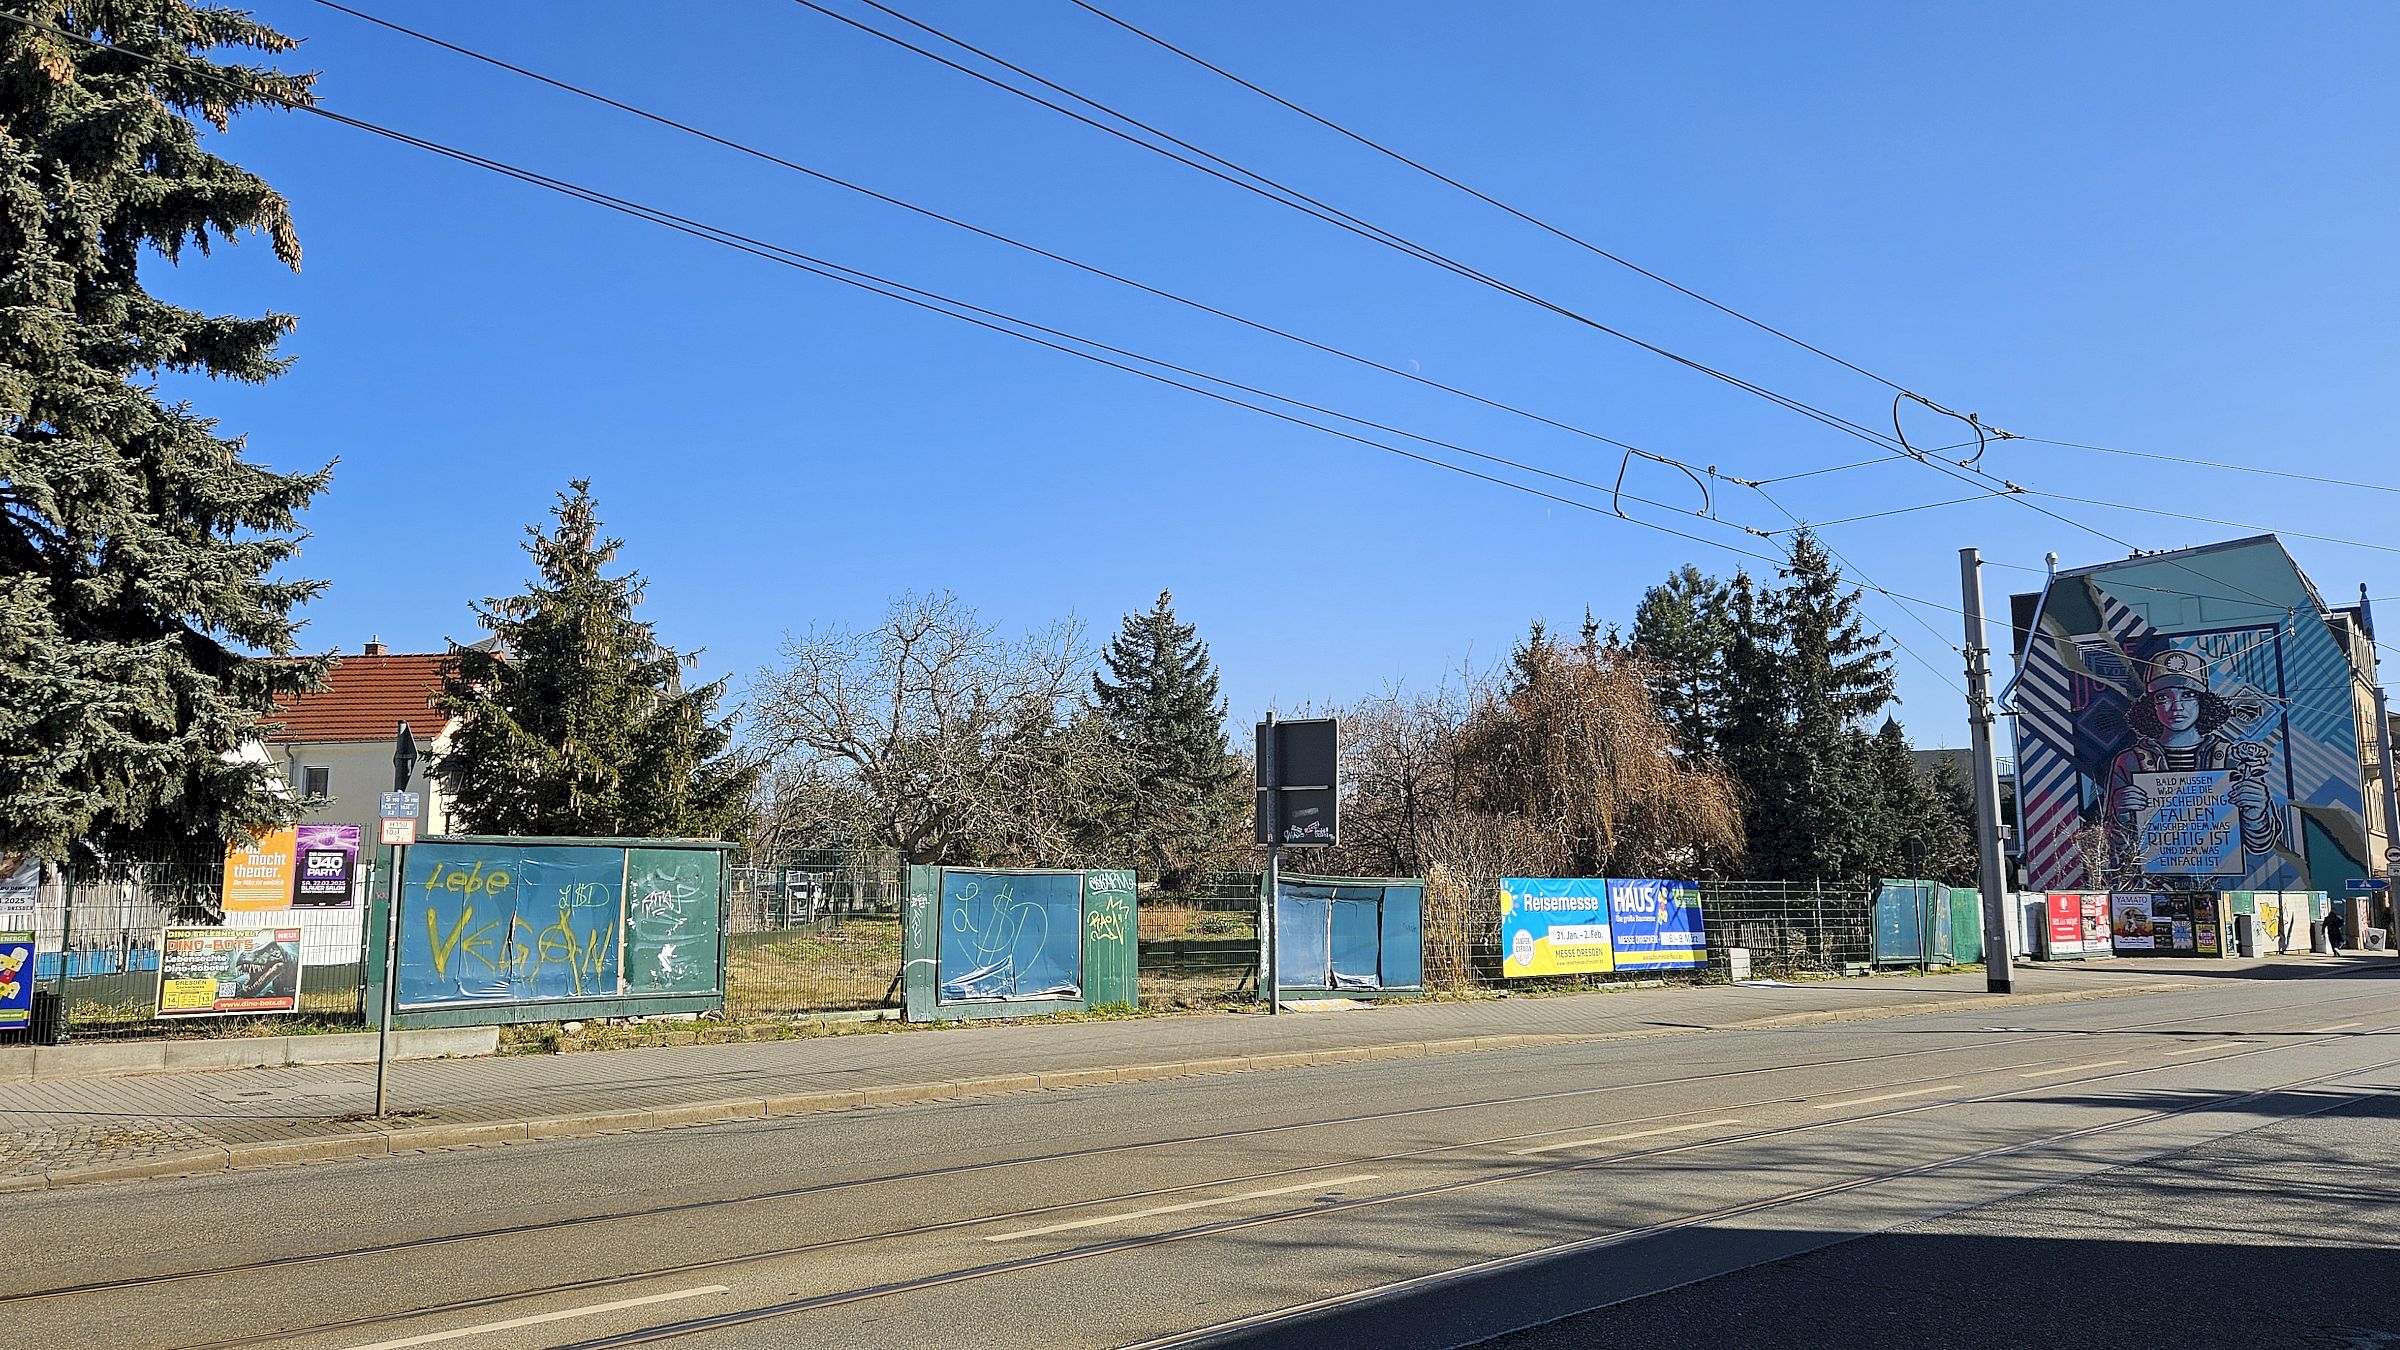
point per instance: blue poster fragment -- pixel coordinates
(1010, 936)
(1656, 925)
(485, 923)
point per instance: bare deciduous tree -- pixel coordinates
(952, 744)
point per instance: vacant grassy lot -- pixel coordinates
(842, 965)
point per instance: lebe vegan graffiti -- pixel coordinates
(480, 924)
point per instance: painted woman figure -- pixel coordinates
(2178, 725)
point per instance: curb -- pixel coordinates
(386, 1141)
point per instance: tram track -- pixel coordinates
(1522, 1173)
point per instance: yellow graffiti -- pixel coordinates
(477, 943)
(1108, 917)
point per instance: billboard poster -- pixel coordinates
(326, 859)
(1656, 925)
(204, 972)
(258, 874)
(16, 979)
(2187, 824)
(20, 888)
(1555, 926)
(2065, 912)
(510, 923)
(2134, 925)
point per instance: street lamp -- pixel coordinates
(404, 760)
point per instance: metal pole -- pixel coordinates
(1270, 981)
(2391, 800)
(1999, 970)
(391, 945)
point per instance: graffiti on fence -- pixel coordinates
(671, 918)
(1108, 905)
(1009, 936)
(487, 924)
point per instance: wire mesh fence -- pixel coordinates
(812, 932)
(99, 932)
(818, 933)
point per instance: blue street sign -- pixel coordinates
(398, 805)
(2367, 884)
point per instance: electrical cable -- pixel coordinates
(1292, 198)
(971, 228)
(2212, 464)
(993, 320)
(1483, 197)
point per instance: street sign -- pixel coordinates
(2392, 855)
(399, 830)
(2367, 884)
(399, 806)
(1298, 787)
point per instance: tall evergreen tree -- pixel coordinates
(1680, 631)
(576, 721)
(139, 603)
(1158, 697)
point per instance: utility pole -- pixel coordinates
(1999, 968)
(1270, 980)
(2391, 800)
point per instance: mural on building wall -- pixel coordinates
(2165, 744)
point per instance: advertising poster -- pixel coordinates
(2133, 924)
(205, 972)
(2187, 825)
(2066, 921)
(326, 858)
(1555, 926)
(258, 875)
(1656, 925)
(20, 889)
(16, 979)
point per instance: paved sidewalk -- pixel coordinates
(58, 1132)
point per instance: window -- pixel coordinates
(316, 783)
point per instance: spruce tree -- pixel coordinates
(1680, 632)
(141, 610)
(576, 721)
(1819, 802)
(1158, 698)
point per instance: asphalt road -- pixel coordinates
(2186, 1168)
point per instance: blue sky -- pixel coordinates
(2160, 228)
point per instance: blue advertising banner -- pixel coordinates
(1656, 924)
(487, 923)
(1555, 926)
(1011, 936)
(16, 980)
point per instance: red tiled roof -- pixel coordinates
(365, 698)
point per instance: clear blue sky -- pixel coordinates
(2160, 227)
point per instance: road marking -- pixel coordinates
(2192, 1050)
(2338, 1026)
(1177, 1209)
(2075, 1068)
(560, 1316)
(1620, 1138)
(1885, 1097)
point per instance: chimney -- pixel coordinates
(375, 647)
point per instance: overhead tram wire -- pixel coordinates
(1489, 200)
(1294, 199)
(997, 321)
(1895, 597)
(769, 157)
(1291, 198)
(934, 302)
(2228, 467)
(983, 232)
